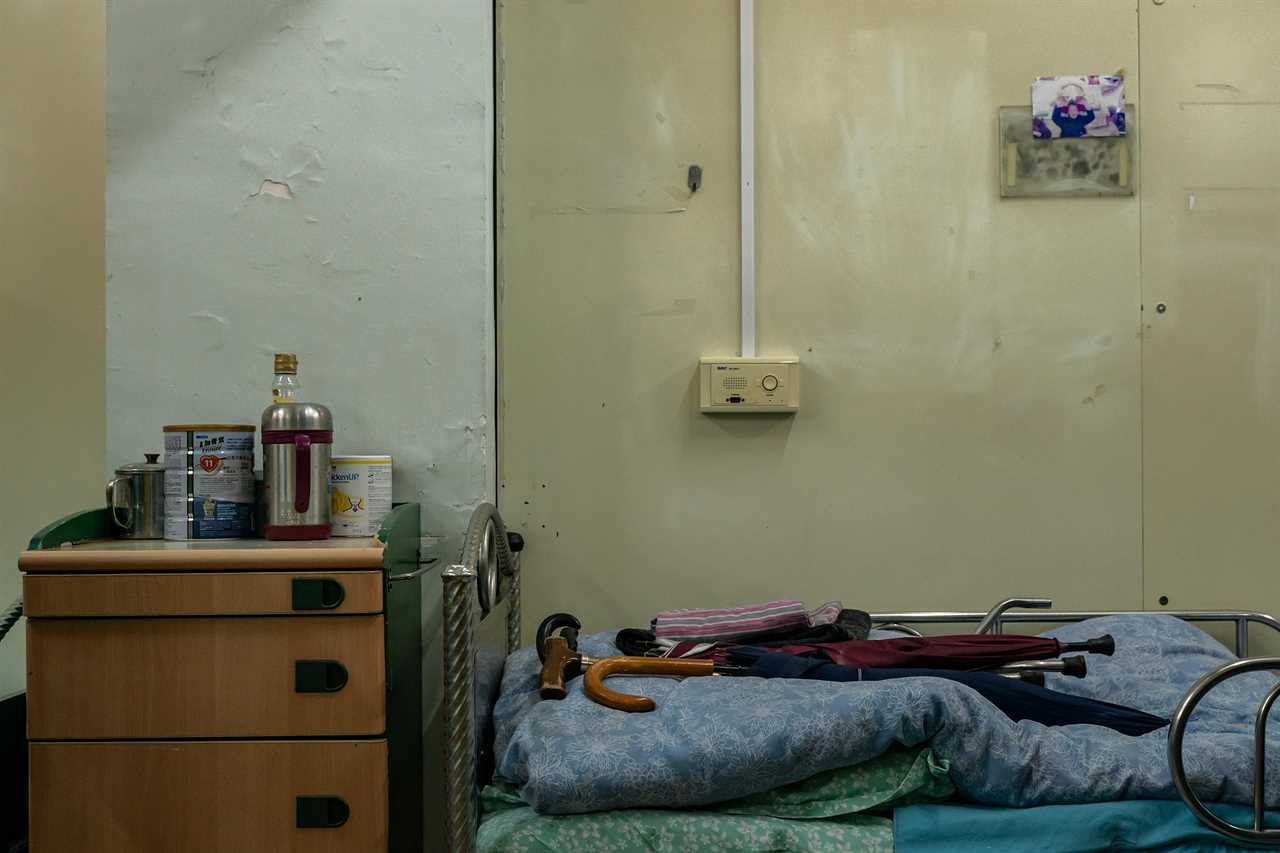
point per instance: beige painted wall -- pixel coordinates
(970, 425)
(51, 276)
(1211, 366)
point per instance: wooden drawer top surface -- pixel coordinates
(324, 593)
(120, 555)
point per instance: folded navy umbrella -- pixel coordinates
(1017, 699)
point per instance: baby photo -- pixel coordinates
(1074, 106)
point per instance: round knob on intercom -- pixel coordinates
(769, 382)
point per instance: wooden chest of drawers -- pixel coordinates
(233, 696)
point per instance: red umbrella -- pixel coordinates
(960, 651)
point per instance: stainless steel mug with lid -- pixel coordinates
(297, 439)
(135, 499)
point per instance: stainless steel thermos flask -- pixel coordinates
(297, 439)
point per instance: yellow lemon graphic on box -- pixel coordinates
(341, 502)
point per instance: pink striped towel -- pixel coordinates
(726, 623)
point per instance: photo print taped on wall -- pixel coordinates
(1076, 106)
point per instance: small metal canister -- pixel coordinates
(135, 499)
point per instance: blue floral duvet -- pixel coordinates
(714, 739)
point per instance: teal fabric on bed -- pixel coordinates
(823, 814)
(900, 777)
(523, 830)
(1159, 826)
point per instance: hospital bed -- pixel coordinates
(481, 625)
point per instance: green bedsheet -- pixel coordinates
(834, 811)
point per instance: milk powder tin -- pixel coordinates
(208, 481)
(359, 493)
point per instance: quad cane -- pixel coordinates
(557, 643)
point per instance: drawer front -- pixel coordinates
(261, 676)
(203, 594)
(209, 797)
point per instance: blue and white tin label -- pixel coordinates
(208, 482)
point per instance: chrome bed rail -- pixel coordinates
(995, 619)
(1259, 834)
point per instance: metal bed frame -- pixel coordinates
(488, 573)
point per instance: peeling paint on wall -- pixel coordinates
(274, 189)
(311, 178)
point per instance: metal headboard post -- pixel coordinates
(487, 560)
(459, 703)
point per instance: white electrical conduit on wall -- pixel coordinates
(747, 154)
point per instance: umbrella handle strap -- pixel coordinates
(593, 680)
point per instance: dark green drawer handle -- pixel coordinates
(317, 593)
(322, 812)
(318, 676)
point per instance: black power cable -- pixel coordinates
(11, 616)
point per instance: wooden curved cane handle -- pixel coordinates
(560, 665)
(593, 681)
